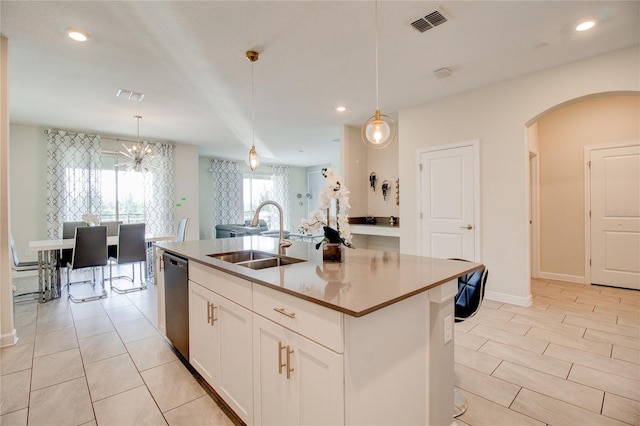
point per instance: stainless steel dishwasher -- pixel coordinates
(176, 301)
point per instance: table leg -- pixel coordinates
(41, 276)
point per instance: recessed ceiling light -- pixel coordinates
(586, 25)
(341, 108)
(77, 35)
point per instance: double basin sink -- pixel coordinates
(256, 259)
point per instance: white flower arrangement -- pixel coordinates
(91, 219)
(335, 227)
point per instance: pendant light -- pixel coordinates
(254, 159)
(137, 153)
(379, 131)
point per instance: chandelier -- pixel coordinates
(137, 154)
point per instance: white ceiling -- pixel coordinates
(188, 58)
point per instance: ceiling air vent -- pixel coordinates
(429, 21)
(130, 94)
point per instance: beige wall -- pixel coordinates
(562, 134)
(497, 115)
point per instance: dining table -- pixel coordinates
(49, 279)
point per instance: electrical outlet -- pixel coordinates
(448, 329)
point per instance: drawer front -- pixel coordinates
(315, 322)
(226, 285)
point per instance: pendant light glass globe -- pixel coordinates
(254, 159)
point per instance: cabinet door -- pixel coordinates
(234, 381)
(203, 336)
(297, 381)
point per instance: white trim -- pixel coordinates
(475, 144)
(508, 298)
(587, 200)
(562, 277)
(9, 339)
(534, 211)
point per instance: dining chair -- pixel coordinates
(112, 230)
(21, 267)
(471, 289)
(89, 251)
(132, 249)
(182, 229)
(68, 232)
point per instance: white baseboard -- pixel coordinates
(9, 339)
(508, 298)
(561, 277)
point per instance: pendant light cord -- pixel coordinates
(376, 32)
(253, 116)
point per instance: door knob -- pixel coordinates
(467, 227)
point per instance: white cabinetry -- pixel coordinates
(297, 381)
(158, 276)
(220, 336)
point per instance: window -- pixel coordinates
(256, 189)
(122, 192)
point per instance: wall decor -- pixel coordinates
(372, 181)
(385, 189)
(397, 192)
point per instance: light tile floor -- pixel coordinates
(572, 358)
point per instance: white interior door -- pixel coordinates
(448, 202)
(615, 216)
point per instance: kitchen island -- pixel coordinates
(367, 341)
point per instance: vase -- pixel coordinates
(332, 252)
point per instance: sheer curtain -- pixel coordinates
(159, 203)
(280, 179)
(228, 204)
(73, 183)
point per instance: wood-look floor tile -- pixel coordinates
(492, 304)
(624, 310)
(492, 388)
(67, 403)
(202, 411)
(133, 407)
(607, 327)
(618, 385)
(557, 327)
(632, 321)
(597, 362)
(600, 299)
(576, 342)
(468, 340)
(623, 409)
(532, 343)
(483, 412)
(503, 325)
(464, 326)
(565, 305)
(626, 354)
(545, 364)
(546, 384)
(555, 412)
(614, 339)
(541, 314)
(598, 316)
(475, 360)
(495, 314)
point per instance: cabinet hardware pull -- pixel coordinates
(283, 312)
(209, 313)
(213, 313)
(280, 364)
(289, 369)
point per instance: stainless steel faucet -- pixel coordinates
(254, 222)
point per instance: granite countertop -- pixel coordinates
(367, 280)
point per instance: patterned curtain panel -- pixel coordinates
(280, 179)
(159, 203)
(227, 193)
(73, 182)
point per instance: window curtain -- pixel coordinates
(227, 193)
(73, 181)
(159, 203)
(280, 179)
